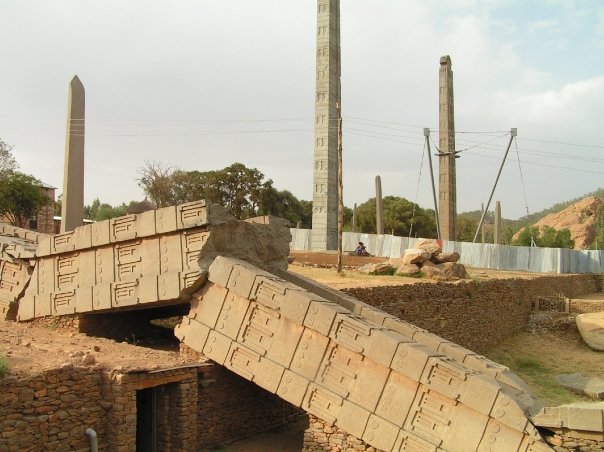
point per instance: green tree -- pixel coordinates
(157, 182)
(547, 237)
(598, 241)
(7, 161)
(399, 218)
(20, 197)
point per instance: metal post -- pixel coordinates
(513, 133)
(427, 135)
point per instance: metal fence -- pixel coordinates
(478, 255)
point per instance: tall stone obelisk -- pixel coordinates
(72, 209)
(447, 204)
(379, 207)
(498, 230)
(327, 99)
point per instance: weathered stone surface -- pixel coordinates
(407, 269)
(327, 98)
(415, 256)
(590, 386)
(453, 270)
(591, 327)
(445, 257)
(583, 418)
(72, 213)
(157, 257)
(379, 268)
(375, 383)
(433, 273)
(429, 245)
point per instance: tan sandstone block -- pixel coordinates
(465, 430)
(100, 233)
(309, 354)
(407, 441)
(296, 304)
(411, 359)
(480, 393)
(165, 219)
(191, 214)
(507, 411)
(397, 398)
(217, 347)
(293, 388)
(352, 419)
(402, 327)
(321, 314)
(26, 308)
(323, 403)
(207, 304)
(380, 433)
(232, 315)
(352, 376)
(192, 333)
(383, 345)
(268, 375)
(498, 437)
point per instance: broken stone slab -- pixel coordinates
(415, 256)
(584, 419)
(591, 327)
(590, 386)
(433, 273)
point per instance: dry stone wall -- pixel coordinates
(51, 410)
(470, 313)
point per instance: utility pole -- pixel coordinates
(340, 190)
(513, 133)
(427, 135)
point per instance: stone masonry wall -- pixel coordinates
(477, 315)
(231, 408)
(51, 410)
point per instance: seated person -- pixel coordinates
(361, 249)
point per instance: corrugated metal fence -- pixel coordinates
(479, 255)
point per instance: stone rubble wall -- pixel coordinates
(477, 315)
(51, 410)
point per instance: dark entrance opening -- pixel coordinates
(146, 420)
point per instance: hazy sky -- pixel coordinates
(200, 84)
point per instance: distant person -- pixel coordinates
(361, 249)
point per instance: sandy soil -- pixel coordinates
(32, 349)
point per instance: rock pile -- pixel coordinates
(427, 258)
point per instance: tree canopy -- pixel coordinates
(7, 161)
(547, 237)
(20, 197)
(399, 218)
(244, 191)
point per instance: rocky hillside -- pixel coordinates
(579, 218)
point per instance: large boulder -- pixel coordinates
(380, 268)
(453, 270)
(415, 256)
(429, 245)
(591, 327)
(433, 273)
(445, 257)
(407, 269)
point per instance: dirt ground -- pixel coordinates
(31, 349)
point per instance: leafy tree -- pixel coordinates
(466, 228)
(545, 237)
(7, 161)
(598, 242)
(20, 197)
(399, 218)
(99, 211)
(156, 180)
